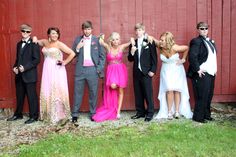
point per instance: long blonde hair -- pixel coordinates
(169, 41)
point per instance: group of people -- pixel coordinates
(91, 52)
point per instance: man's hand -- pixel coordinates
(81, 44)
(201, 73)
(21, 68)
(133, 49)
(15, 70)
(151, 74)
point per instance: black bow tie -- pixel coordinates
(23, 41)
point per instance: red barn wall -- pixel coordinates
(178, 16)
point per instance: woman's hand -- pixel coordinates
(35, 39)
(181, 61)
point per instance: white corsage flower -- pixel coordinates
(144, 44)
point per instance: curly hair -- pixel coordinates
(169, 39)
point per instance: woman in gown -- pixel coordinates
(54, 95)
(115, 80)
(173, 91)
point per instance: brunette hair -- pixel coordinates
(54, 29)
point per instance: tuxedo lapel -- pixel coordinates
(22, 50)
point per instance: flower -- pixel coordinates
(93, 43)
(144, 44)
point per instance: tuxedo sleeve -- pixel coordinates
(16, 62)
(102, 58)
(77, 40)
(153, 58)
(193, 55)
(35, 57)
(130, 56)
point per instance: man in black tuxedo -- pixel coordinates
(25, 68)
(202, 71)
(144, 56)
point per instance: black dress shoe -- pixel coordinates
(31, 120)
(148, 119)
(200, 121)
(74, 119)
(137, 116)
(15, 118)
(209, 119)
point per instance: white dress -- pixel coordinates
(173, 78)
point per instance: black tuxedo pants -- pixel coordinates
(28, 89)
(143, 92)
(203, 91)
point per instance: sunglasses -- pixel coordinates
(23, 31)
(203, 28)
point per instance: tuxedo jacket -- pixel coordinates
(148, 57)
(29, 58)
(198, 53)
(97, 55)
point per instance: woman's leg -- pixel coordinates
(169, 100)
(177, 102)
(120, 100)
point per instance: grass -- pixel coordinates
(175, 139)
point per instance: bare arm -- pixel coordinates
(104, 44)
(183, 49)
(41, 42)
(126, 45)
(68, 51)
(151, 39)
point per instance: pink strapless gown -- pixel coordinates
(116, 73)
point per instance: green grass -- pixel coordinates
(175, 139)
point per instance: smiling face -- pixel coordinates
(53, 36)
(87, 31)
(162, 42)
(115, 39)
(139, 32)
(203, 31)
(25, 33)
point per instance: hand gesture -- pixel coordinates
(133, 49)
(132, 41)
(180, 61)
(150, 39)
(151, 74)
(201, 73)
(15, 70)
(35, 39)
(21, 68)
(81, 44)
(101, 36)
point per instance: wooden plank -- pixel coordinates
(233, 49)
(216, 34)
(225, 50)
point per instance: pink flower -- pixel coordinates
(93, 43)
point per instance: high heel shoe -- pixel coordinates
(177, 115)
(170, 116)
(118, 116)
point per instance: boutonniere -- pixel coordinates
(145, 43)
(28, 42)
(93, 43)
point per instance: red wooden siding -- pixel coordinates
(178, 16)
